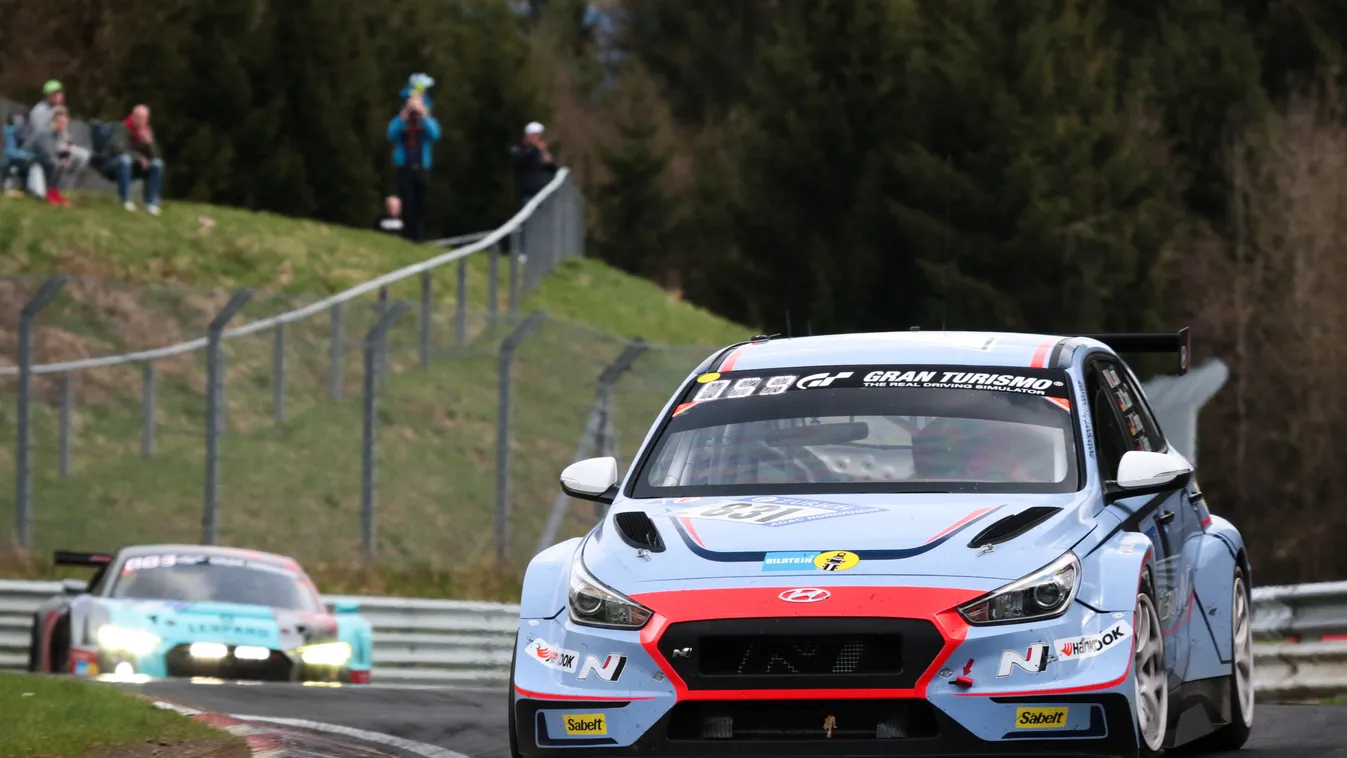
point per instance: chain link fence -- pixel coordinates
(434, 440)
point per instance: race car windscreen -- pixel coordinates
(212, 579)
(865, 429)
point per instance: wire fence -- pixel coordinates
(436, 439)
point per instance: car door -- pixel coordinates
(1122, 423)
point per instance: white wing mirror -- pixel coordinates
(1143, 470)
(591, 479)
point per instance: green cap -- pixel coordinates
(50, 87)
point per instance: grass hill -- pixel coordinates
(293, 485)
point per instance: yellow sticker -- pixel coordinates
(1040, 718)
(836, 560)
(586, 724)
(711, 377)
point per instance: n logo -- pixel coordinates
(1034, 660)
(609, 671)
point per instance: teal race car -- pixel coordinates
(156, 611)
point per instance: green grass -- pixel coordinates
(294, 486)
(47, 716)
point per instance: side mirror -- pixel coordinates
(346, 606)
(1142, 472)
(591, 479)
(74, 586)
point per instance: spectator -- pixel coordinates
(39, 120)
(391, 221)
(533, 164)
(133, 154)
(49, 148)
(412, 131)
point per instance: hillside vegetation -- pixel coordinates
(293, 485)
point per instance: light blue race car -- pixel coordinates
(894, 544)
(158, 611)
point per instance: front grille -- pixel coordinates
(798, 720)
(801, 653)
(180, 663)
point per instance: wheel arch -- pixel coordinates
(544, 591)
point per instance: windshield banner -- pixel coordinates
(1025, 381)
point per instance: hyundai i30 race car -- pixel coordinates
(195, 611)
(893, 544)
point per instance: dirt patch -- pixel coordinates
(213, 747)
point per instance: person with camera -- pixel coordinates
(412, 133)
(534, 166)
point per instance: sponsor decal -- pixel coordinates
(1040, 718)
(552, 656)
(585, 724)
(824, 379)
(86, 668)
(1090, 645)
(1034, 660)
(146, 562)
(1032, 381)
(805, 595)
(836, 560)
(682, 500)
(212, 629)
(609, 670)
(791, 561)
(1112, 377)
(771, 511)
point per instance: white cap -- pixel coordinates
(533, 128)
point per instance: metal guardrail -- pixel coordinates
(468, 644)
(486, 242)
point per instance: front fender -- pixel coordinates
(1111, 573)
(544, 591)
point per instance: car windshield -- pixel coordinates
(212, 579)
(867, 429)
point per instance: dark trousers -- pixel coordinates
(413, 183)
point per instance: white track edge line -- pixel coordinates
(376, 738)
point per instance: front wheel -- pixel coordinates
(1151, 675)
(35, 646)
(514, 732)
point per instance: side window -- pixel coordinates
(1110, 437)
(1142, 431)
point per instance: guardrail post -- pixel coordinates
(493, 284)
(63, 425)
(278, 375)
(23, 486)
(214, 408)
(461, 305)
(425, 318)
(383, 346)
(147, 393)
(335, 356)
(516, 257)
(507, 349)
(373, 340)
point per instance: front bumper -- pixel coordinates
(890, 671)
(175, 661)
(794, 729)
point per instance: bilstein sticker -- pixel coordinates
(711, 377)
(836, 560)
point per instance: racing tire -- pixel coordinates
(509, 703)
(1150, 675)
(1232, 736)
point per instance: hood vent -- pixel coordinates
(637, 530)
(1013, 526)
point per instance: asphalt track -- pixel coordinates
(473, 722)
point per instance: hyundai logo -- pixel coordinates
(805, 595)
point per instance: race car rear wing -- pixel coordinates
(1149, 342)
(71, 558)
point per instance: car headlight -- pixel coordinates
(1044, 594)
(594, 604)
(326, 654)
(134, 641)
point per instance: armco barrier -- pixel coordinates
(468, 644)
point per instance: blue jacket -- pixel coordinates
(430, 132)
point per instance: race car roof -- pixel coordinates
(236, 552)
(889, 348)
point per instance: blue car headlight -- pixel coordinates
(137, 642)
(592, 603)
(1044, 594)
